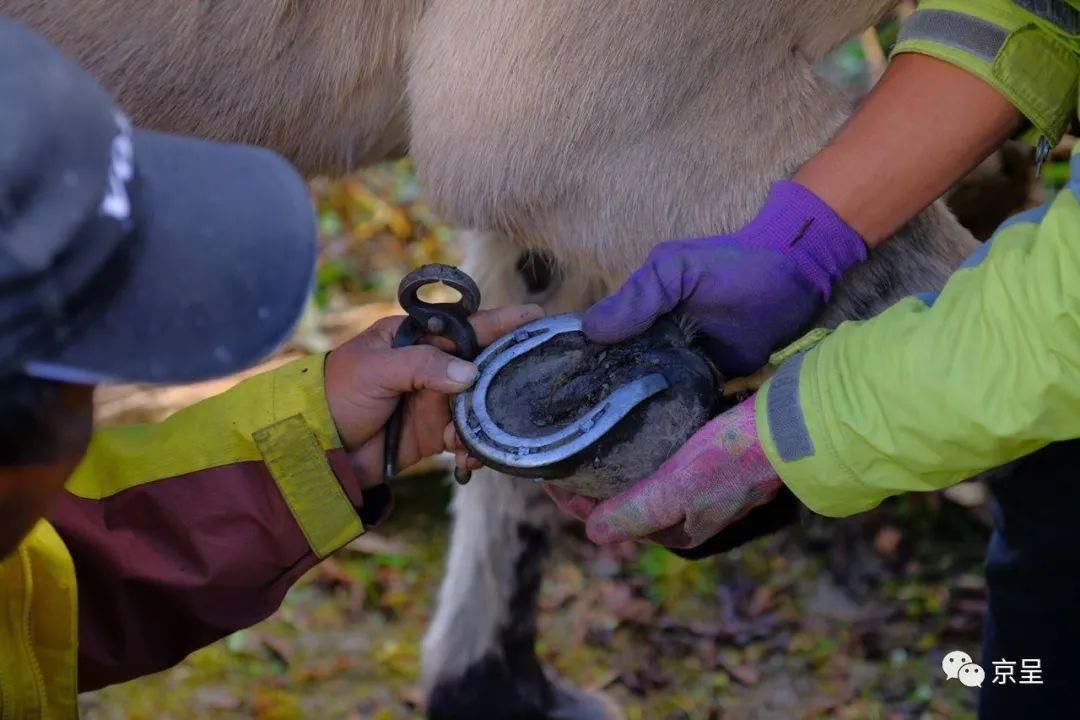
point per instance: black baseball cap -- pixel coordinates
(134, 255)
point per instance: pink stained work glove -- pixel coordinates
(716, 478)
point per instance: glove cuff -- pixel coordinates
(802, 226)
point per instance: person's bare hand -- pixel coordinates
(365, 377)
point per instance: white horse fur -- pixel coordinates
(586, 130)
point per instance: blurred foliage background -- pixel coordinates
(375, 227)
(841, 619)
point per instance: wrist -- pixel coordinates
(741, 441)
(801, 226)
(336, 408)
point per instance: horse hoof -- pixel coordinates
(494, 690)
(577, 704)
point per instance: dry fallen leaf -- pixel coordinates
(887, 540)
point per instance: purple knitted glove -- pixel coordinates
(749, 292)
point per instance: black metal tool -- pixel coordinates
(448, 320)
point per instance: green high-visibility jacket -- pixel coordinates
(941, 387)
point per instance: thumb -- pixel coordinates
(420, 367)
(648, 294)
(576, 506)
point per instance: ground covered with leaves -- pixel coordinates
(845, 619)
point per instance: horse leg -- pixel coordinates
(479, 655)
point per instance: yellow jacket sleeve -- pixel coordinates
(939, 388)
(213, 513)
(278, 419)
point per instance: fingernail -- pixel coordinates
(461, 372)
(598, 534)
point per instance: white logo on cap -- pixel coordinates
(116, 203)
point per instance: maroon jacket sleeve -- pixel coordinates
(187, 530)
(166, 568)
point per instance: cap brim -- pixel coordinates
(224, 265)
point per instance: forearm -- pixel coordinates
(922, 128)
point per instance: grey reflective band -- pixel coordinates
(1056, 12)
(784, 413)
(973, 35)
